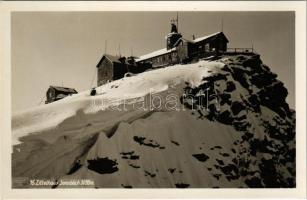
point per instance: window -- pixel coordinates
(207, 49)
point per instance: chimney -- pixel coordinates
(131, 60)
(122, 59)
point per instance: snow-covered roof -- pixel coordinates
(183, 39)
(64, 89)
(115, 59)
(112, 58)
(154, 54)
(164, 51)
(206, 37)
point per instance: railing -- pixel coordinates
(203, 53)
(240, 50)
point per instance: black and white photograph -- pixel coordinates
(152, 99)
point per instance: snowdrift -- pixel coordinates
(129, 88)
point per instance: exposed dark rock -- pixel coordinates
(220, 162)
(77, 165)
(225, 98)
(174, 142)
(145, 142)
(254, 182)
(241, 118)
(230, 86)
(134, 157)
(201, 157)
(247, 136)
(241, 126)
(262, 79)
(225, 117)
(171, 170)
(237, 107)
(253, 62)
(129, 155)
(274, 96)
(254, 102)
(231, 171)
(57, 183)
(134, 166)
(239, 75)
(147, 173)
(216, 166)
(290, 155)
(217, 176)
(216, 147)
(215, 77)
(269, 174)
(225, 154)
(103, 165)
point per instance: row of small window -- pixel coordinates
(166, 57)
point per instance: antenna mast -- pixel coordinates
(119, 49)
(105, 46)
(177, 22)
(222, 24)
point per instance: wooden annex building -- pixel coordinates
(55, 93)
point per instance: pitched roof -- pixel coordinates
(64, 89)
(183, 39)
(208, 36)
(200, 38)
(164, 51)
(154, 54)
(112, 58)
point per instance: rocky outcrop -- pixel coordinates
(247, 95)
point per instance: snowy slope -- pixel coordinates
(50, 115)
(240, 135)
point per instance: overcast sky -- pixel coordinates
(55, 48)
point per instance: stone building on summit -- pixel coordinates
(178, 50)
